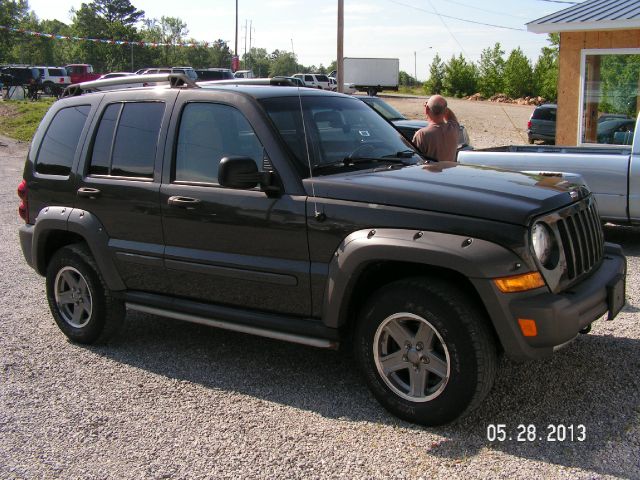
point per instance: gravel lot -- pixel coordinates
(174, 400)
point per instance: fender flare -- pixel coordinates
(471, 257)
(84, 224)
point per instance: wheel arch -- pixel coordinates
(367, 260)
(57, 227)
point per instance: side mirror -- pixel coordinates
(242, 173)
(238, 172)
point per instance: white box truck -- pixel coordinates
(372, 75)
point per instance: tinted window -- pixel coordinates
(57, 72)
(322, 78)
(308, 78)
(101, 155)
(544, 114)
(208, 133)
(61, 140)
(134, 150)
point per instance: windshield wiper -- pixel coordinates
(402, 154)
(349, 161)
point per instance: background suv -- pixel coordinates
(53, 79)
(542, 124)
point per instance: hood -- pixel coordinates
(451, 188)
(417, 124)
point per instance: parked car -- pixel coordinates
(297, 82)
(53, 79)
(212, 204)
(407, 127)
(110, 75)
(244, 74)
(81, 72)
(616, 131)
(542, 123)
(611, 172)
(315, 80)
(209, 74)
(20, 81)
(349, 88)
(188, 71)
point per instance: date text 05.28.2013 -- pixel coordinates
(501, 432)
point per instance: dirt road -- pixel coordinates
(489, 124)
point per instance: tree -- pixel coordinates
(118, 12)
(460, 77)
(406, 80)
(518, 75)
(436, 76)
(283, 63)
(12, 14)
(491, 71)
(545, 73)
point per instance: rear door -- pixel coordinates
(225, 246)
(120, 182)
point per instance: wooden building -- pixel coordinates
(599, 69)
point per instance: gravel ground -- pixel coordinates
(174, 400)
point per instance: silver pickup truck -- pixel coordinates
(612, 172)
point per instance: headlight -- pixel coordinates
(544, 245)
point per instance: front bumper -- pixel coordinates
(559, 317)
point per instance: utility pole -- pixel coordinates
(250, 28)
(340, 59)
(415, 67)
(236, 49)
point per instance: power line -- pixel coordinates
(483, 9)
(457, 18)
(447, 27)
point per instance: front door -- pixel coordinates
(224, 246)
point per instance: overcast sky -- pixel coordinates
(375, 28)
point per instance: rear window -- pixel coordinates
(57, 72)
(544, 114)
(59, 144)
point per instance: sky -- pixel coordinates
(410, 30)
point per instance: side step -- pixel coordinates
(236, 327)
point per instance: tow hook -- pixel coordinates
(586, 329)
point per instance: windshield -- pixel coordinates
(341, 132)
(384, 109)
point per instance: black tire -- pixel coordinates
(80, 302)
(460, 344)
(48, 88)
(372, 91)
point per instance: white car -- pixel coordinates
(315, 80)
(349, 88)
(53, 79)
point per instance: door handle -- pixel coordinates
(183, 202)
(88, 192)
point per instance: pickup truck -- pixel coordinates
(81, 72)
(612, 172)
(302, 215)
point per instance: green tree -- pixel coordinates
(518, 75)
(436, 76)
(13, 14)
(491, 71)
(460, 77)
(283, 63)
(258, 60)
(545, 72)
(406, 80)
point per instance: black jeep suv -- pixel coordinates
(302, 215)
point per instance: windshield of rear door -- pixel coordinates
(342, 133)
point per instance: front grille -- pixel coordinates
(582, 239)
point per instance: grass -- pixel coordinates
(19, 119)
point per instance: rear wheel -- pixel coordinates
(426, 351)
(48, 88)
(80, 302)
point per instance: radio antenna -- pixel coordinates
(316, 213)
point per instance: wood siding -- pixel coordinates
(571, 45)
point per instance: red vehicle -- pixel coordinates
(81, 72)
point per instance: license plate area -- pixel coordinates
(615, 296)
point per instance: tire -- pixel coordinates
(80, 302)
(442, 358)
(48, 88)
(372, 91)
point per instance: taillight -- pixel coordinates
(23, 209)
(529, 124)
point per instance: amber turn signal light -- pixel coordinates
(528, 327)
(519, 283)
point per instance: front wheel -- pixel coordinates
(80, 302)
(426, 351)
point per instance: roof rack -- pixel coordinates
(277, 82)
(174, 79)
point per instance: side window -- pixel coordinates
(209, 132)
(131, 151)
(61, 140)
(308, 78)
